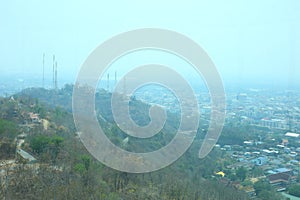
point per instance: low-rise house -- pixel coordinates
(292, 135)
(260, 161)
(227, 147)
(280, 178)
(284, 170)
(34, 117)
(285, 142)
(249, 143)
(22, 136)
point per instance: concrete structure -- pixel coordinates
(23, 156)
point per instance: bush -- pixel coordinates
(294, 190)
(8, 129)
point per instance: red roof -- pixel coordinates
(279, 177)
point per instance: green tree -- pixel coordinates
(83, 168)
(241, 173)
(257, 171)
(265, 192)
(260, 186)
(49, 146)
(56, 142)
(8, 129)
(80, 168)
(86, 161)
(265, 195)
(39, 143)
(294, 190)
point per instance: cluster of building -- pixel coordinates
(274, 113)
(264, 108)
(279, 162)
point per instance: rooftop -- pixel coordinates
(289, 134)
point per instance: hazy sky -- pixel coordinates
(247, 40)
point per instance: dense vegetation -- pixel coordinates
(264, 191)
(294, 190)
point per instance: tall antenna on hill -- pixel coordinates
(124, 85)
(108, 82)
(53, 72)
(115, 78)
(43, 70)
(55, 80)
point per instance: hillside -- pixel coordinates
(65, 170)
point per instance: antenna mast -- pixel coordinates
(55, 81)
(115, 78)
(108, 82)
(43, 70)
(53, 72)
(124, 85)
